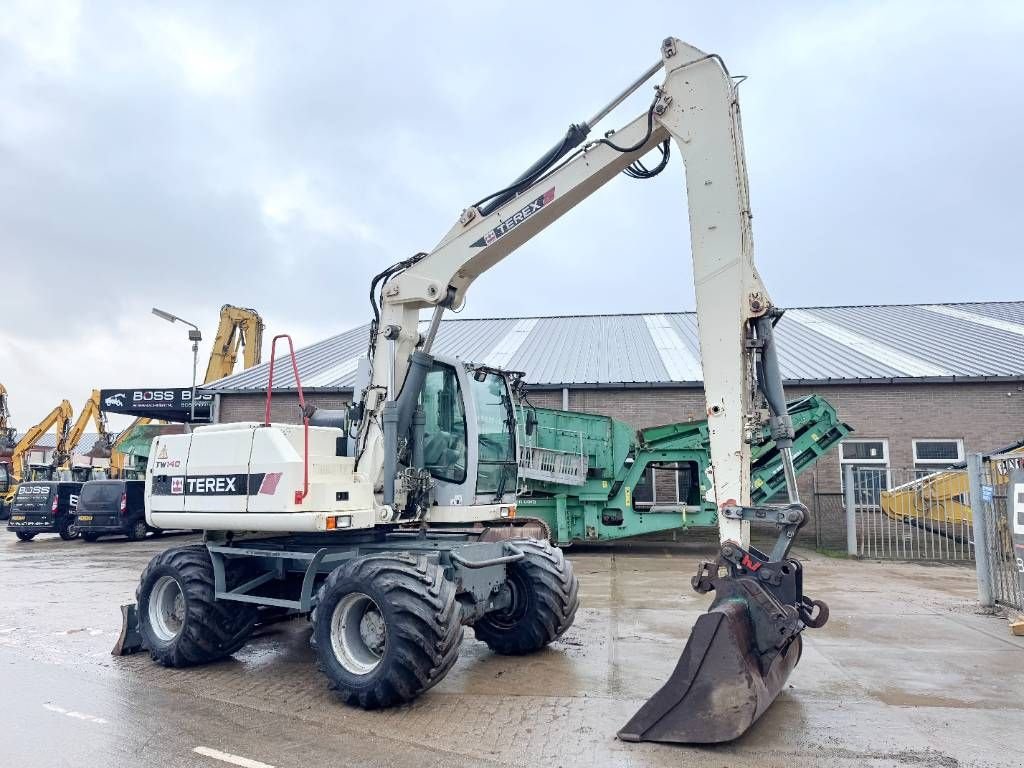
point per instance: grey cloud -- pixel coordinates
(883, 144)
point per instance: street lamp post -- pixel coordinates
(195, 337)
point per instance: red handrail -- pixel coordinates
(299, 495)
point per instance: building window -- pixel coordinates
(934, 454)
(870, 460)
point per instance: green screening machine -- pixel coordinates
(593, 478)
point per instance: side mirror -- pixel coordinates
(531, 422)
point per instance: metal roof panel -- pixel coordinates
(831, 343)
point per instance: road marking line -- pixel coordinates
(75, 714)
(227, 757)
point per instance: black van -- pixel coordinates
(45, 507)
(112, 507)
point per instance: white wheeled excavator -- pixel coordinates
(360, 516)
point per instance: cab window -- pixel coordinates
(444, 448)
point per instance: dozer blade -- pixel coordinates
(130, 640)
(718, 689)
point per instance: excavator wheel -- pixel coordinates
(545, 596)
(386, 628)
(180, 621)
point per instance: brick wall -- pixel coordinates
(284, 406)
(985, 416)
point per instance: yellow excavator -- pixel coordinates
(240, 330)
(101, 449)
(59, 417)
(941, 498)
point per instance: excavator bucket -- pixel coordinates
(720, 685)
(7, 443)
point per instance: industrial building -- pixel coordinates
(922, 385)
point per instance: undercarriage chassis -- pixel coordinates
(387, 608)
(285, 572)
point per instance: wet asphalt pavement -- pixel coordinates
(907, 672)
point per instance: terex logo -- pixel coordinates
(211, 485)
(241, 484)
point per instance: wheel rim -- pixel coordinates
(358, 633)
(166, 608)
(509, 617)
(140, 531)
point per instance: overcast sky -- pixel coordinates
(277, 155)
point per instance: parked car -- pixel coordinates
(112, 508)
(45, 507)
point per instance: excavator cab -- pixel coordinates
(469, 434)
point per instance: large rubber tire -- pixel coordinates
(545, 596)
(138, 531)
(24, 535)
(90, 537)
(206, 629)
(422, 629)
(68, 531)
